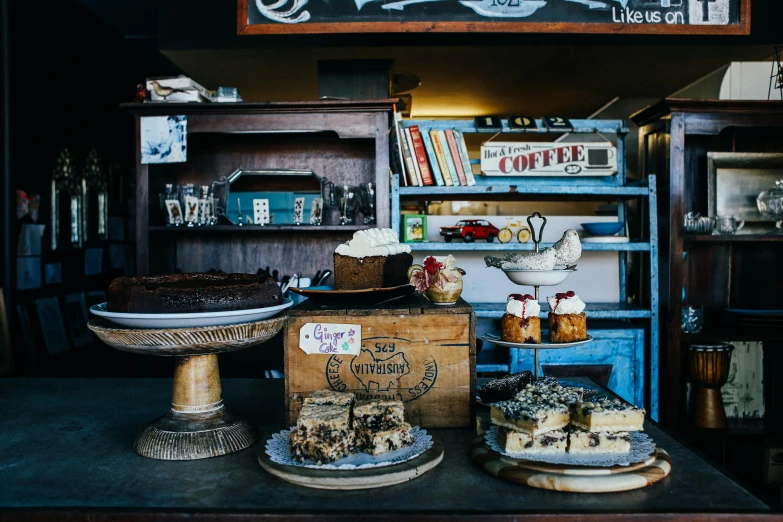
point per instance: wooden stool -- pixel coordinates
(709, 371)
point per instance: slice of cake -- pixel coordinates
(504, 388)
(567, 321)
(374, 258)
(519, 442)
(323, 433)
(377, 442)
(377, 415)
(520, 323)
(530, 415)
(607, 415)
(580, 441)
(330, 398)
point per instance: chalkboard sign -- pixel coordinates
(550, 16)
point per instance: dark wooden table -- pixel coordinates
(65, 454)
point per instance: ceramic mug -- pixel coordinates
(728, 224)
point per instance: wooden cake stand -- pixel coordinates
(574, 479)
(198, 425)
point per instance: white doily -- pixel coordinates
(279, 451)
(642, 447)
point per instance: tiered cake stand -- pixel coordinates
(536, 279)
(198, 425)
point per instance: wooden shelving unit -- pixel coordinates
(344, 141)
(717, 272)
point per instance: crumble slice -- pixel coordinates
(607, 415)
(377, 415)
(580, 441)
(322, 433)
(530, 415)
(329, 397)
(518, 442)
(385, 440)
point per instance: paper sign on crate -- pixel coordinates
(548, 159)
(330, 338)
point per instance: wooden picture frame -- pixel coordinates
(6, 350)
(745, 175)
(414, 228)
(298, 21)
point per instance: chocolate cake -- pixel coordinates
(178, 293)
(504, 388)
(374, 258)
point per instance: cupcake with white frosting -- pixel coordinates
(520, 323)
(373, 258)
(567, 320)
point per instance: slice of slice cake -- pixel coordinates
(373, 258)
(377, 415)
(607, 415)
(385, 440)
(329, 397)
(519, 442)
(323, 433)
(580, 441)
(532, 416)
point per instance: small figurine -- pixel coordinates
(441, 283)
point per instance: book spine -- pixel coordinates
(399, 157)
(455, 155)
(434, 166)
(444, 144)
(406, 151)
(464, 157)
(413, 157)
(444, 168)
(421, 156)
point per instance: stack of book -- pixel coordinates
(432, 156)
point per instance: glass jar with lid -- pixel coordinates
(770, 204)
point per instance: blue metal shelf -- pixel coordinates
(479, 245)
(580, 127)
(501, 185)
(592, 310)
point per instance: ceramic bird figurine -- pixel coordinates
(544, 260)
(163, 92)
(568, 249)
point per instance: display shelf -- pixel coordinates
(615, 188)
(633, 246)
(501, 186)
(770, 335)
(592, 310)
(750, 238)
(258, 229)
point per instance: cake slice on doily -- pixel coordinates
(607, 415)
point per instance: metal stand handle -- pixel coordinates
(533, 231)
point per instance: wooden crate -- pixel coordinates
(427, 355)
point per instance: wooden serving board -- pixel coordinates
(357, 478)
(576, 479)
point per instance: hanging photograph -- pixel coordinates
(164, 139)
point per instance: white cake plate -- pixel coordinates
(494, 338)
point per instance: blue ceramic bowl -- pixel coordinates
(603, 229)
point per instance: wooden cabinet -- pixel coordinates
(716, 272)
(344, 141)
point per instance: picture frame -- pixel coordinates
(54, 336)
(6, 351)
(76, 317)
(28, 273)
(53, 273)
(414, 228)
(93, 261)
(164, 139)
(735, 179)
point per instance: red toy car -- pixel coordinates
(470, 230)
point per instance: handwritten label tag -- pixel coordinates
(331, 338)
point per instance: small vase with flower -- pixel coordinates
(440, 282)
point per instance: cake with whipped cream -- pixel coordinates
(567, 320)
(373, 258)
(520, 323)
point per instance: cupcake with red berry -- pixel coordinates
(520, 323)
(567, 321)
